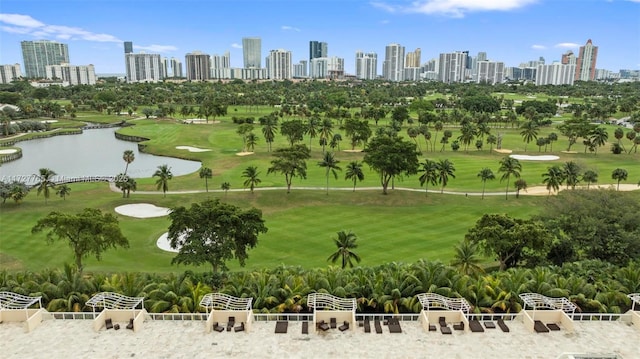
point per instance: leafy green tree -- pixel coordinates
(214, 232)
(354, 173)
(445, 169)
(590, 176)
(466, 258)
(164, 176)
(225, 186)
(147, 112)
(88, 232)
(252, 180)
(330, 163)
(429, 174)
(207, 174)
(358, 131)
(346, 243)
(128, 156)
(553, 178)
(619, 174)
(290, 162)
(391, 156)
(293, 130)
(485, 174)
(509, 167)
(45, 182)
(17, 191)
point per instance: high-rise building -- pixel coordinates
(366, 65)
(143, 67)
(251, 50)
(568, 58)
(198, 66)
(9, 73)
(221, 66)
(176, 68)
(164, 67)
(452, 67)
(393, 65)
(37, 55)
(317, 49)
(491, 72)
(586, 64)
(128, 47)
(326, 67)
(555, 74)
(72, 75)
(279, 65)
(300, 69)
(413, 58)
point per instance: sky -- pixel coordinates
(512, 31)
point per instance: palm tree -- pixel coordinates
(466, 258)
(354, 173)
(330, 163)
(335, 141)
(326, 132)
(444, 169)
(164, 176)
(551, 138)
(553, 178)
(520, 184)
(571, 174)
(46, 181)
(438, 126)
(346, 243)
(225, 186)
(128, 156)
(312, 129)
(269, 130)
(619, 174)
(485, 174)
(529, 132)
(206, 173)
(63, 191)
(251, 141)
(599, 137)
(590, 176)
(510, 167)
(251, 174)
(429, 174)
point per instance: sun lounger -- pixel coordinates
(539, 327)
(378, 327)
(281, 327)
(442, 321)
(305, 327)
(218, 328)
(445, 330)
(553, 326)
(503, 326)
(333, 323)
(108, 324)
(458, 326)
(344, 326)
(432, 327)
(475, 326)
(231, 323)
(395, 328)
(239, 328)
(130, 325)
(323, 326)
(489, 325)
(367, 326)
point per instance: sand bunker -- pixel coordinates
(192, 149)
(535, 158)
(502, 151)
(6, 152)
(354, 151)
(142, 210)
(163, 243)
(49, 121)
(198, 121)
(244, 153)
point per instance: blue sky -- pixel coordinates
(512, 31)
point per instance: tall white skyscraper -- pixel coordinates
(72, 75)
(39, 54)
(452, 67)
(198, 66)
(279, 65)
(326, 67)
(143, 67)
(165, 67)
(366, 65)
(490, 72)
(9, 73)
(393, 65)
(555, 74)
(300, 69)
(251, 50)
(221, 66)
(176, 68)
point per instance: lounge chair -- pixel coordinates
(239, 328)
(432, 327)
(344, 326)
(395, 327)
(333, 323)
(323, 326)
(442, 321)
(281, 327)
(445, 330)
(378, 327)
(489, 325)
(130, 325)
(305, 327)
(475, 326)
(458, 326)
(539, 327)
(367, 326)
(231, 323)
(553, 326)
(503, 326)
(108, 323)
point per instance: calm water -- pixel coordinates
(94, 153)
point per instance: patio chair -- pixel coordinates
(432, 327)
(281, 327)
(108, 323)
(367, 326)
(344, 326)
(323, 326)
(445, 330)
(239, 328)
(305, 327)
(475, 326)
(442, 321)
(378, 327)
(458, 326)
(539, 327)
(333, 323)
(489, 325)
(553, 326)
(394, 326)
(503, 326)
(218, 328)
(231, 323)
(130, 325)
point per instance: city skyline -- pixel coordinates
(510, 31)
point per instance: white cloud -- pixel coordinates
(567, 45)
(236, 46)
(453, 8)
(20, 20)
(289, 28)
(157, 48)
(538, 47)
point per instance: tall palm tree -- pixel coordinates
(571, 173)
(164, 176)
(354, 173)
(590, 176)
(206, 173)
(445, 170)
(553, 178)
(225, 186)
(438, 126)
(466, 258)
(251, 141)
(529, 132)
(509, 167)
(128, 156)
(429, 174)
(45, 178)
(63, 191)
(335, 141)
(346, 243)
(520, 184)
(619, 174)
(269, 130)
(330, 163)
(251, 174)
(312, 129)
(599, 137)
(326, 132)
(485, 174)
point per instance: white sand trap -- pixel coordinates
(6, 152)
(535, 158)
(244, 153)
(142, 210)
(198, 121)
(570, 152)
(192, 149)
(49, 121)
(163, 243)
(501, 150)
(353, 151)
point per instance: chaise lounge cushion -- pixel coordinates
(503, 326)
(344, 326)
(108, 324)
(281, 327)
(475, 326)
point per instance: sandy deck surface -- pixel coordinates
(188, 339)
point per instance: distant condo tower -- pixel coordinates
(317, 49)
(586, 64)
(393, 65)
(251, 50)
(37, 55)
(198, 66)
(128, 47)
(142, 67)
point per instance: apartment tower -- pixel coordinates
(37, 55)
